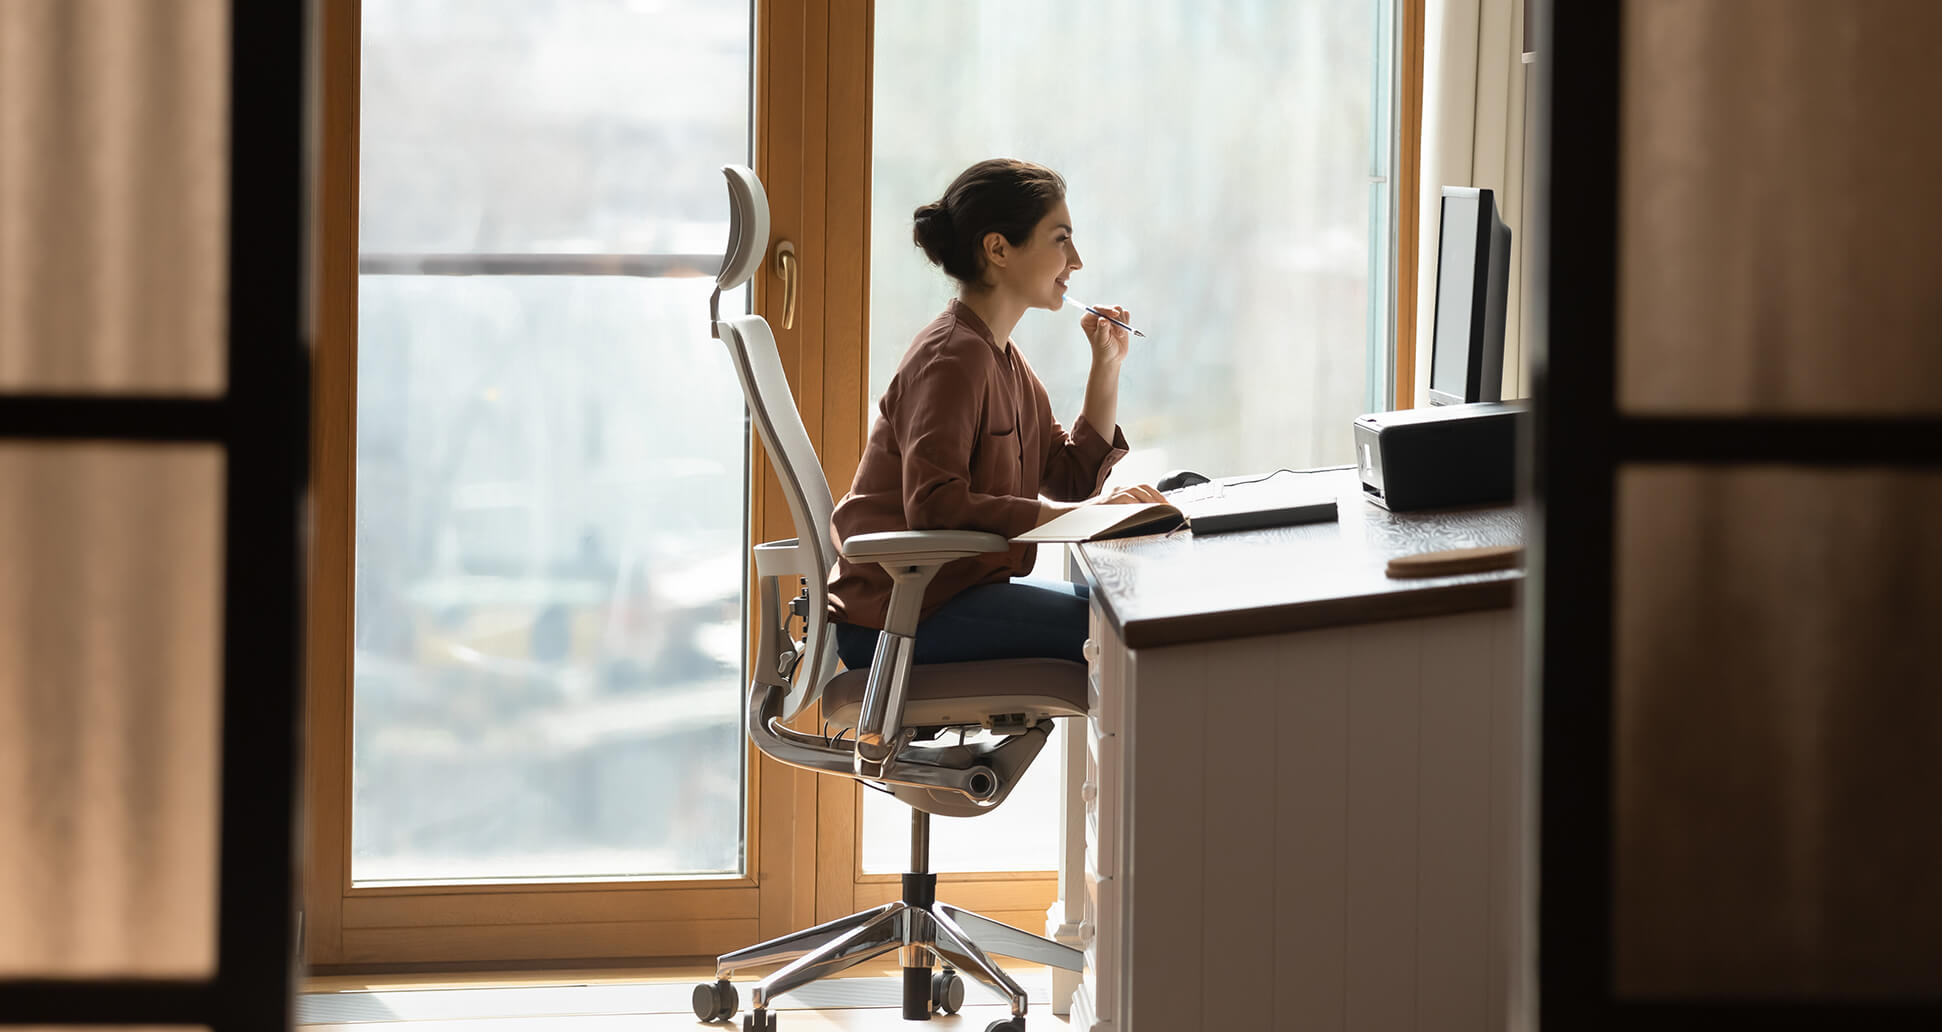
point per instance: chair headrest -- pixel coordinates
(748, 228)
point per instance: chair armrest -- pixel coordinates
(921, 547)
(911, 558)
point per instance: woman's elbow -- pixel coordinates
(934, 510)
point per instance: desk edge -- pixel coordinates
(1494, 592)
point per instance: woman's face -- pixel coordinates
(1037, 271)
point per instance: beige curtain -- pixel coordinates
(113, 156)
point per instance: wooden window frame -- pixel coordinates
(813, 151)
(1409, 173)
(808, 62)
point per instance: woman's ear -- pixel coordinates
(996, 248)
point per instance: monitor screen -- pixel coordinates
(1456, 266)
(1472, 280)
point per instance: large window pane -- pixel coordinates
(549, 580)
(1219, 186)
(1225, 171)
(554, 126)
(551, 464)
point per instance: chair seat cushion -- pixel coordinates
(970, 693)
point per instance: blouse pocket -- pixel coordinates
(995, 468)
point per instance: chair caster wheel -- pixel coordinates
(715, 1001)
(947, 992)
(759, 1020)
(1007, 1025)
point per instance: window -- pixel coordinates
(1228, 181)
(551, 451)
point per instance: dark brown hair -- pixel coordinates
(998, 195)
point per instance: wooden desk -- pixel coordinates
(1302, 783)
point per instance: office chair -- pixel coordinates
(898, 727)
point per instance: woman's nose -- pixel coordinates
(1075, 263)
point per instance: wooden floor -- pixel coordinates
(970, 1019)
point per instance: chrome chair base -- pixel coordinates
(926, 934)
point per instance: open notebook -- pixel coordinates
(1215, 515)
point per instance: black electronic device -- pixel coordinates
(1178, 479)
(1472, 285)
(1438, 458)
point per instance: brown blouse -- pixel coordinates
(964, 440)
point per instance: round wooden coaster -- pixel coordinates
(1456, 560)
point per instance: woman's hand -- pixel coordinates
(1137, 494)
(1049, 510)
(1110, 343)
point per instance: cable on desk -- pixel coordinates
(1276, 473)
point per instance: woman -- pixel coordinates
(965, 438)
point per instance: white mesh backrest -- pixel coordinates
(751, 347)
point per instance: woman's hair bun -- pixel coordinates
(931, 229)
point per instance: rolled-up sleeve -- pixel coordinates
(937, 419)
(1076, 463)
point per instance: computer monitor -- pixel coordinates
(1472, 283)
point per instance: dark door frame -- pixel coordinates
(262, 425)
(1581, 442)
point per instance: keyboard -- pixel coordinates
(1270, 501)
(1195, 493)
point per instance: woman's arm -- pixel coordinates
(1110, 345)
(936, 411)
(1076, 463)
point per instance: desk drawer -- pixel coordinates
(1106, 672)
(1100, 794)
(1098, 731)
(1099, 931)
(1103, 756)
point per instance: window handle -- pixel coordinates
(789, 269)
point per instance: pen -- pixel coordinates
(1103, 315)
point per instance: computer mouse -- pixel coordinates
(1178, 479)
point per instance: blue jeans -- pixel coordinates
(1018, 619)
